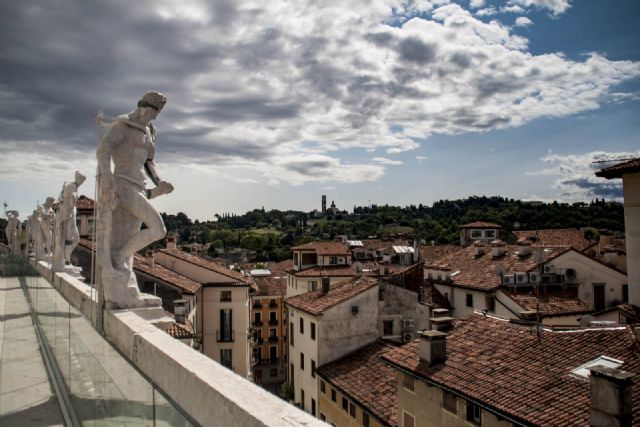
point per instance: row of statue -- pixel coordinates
(50, 233)
(125, 157)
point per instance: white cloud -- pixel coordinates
(385, 161)
(523, 21)
(476, 4)
(557, 7)
(487, 11)
(576, 172)
(420, 159)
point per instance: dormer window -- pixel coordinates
(476, 234)
(490, 234)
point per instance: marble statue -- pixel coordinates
(66, 236)
(123, 201)
(12, 231)
(43, 235)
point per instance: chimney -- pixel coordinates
(433, 347)
(442, 323)
(498, 248)
(180, 310)
(611, 403)
(478, 249)
(148, 258)
(171, 242)
(524, 247)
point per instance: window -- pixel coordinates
(408, 382)
(313, 286)
(352, 409)
(301, 326)
(473, 413)
(291, 333)
(313, 407)
(273, 332)
(408, 420)
(322, 417)
(323, 387)
(491, 303)
(598, 296)
(295, 258)
(273, 354)
(470, 300)
(490, 234)
(257, 319)
(292, 376)
(365, 419)
(345, 404)
(302, 361)
(225, 334)
(333, 260)
(476, 234)
(257, 353)
(387, 327)
(313, 330)
(625, 294)
(226, 357)
(302, 399)
(313, 368)
(449, 402)
(225, 295)
(273, 319)
(333, 395)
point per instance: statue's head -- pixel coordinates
(49, 202)
(152, 99)
(79, 178)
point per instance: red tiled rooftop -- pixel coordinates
(567, 237)
(364, 377)
(324, 271)
(84, 203)
(279, 269)
(164, 274)
(208, 264)
(270, 286)
(325, 248)
(315, 302)
(431, 254)
(551, 304)
(616, 171)
(180, 331)
(480, 224)
(480, 272)
(504, 366)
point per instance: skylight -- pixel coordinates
(583, 370)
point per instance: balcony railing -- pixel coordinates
(257, 304)
(225, 336)
(257, 323)
(273, 304)
(273, 339)
(258, 341)
(273, 321)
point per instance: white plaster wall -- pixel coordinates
(590, 272)
(300, 285)
(305, 345)
(458, 299)
(190, 270)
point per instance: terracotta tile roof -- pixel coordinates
(434, 298)
(315, 302)
(631, 312)
(504, 366)
(480, 224)
(551, 304)
(325, 248)
(324, 271)
(180, 331)
(270, 286)
(164, 274)
(157, 271)
(368, 380)
(279, 269)
(205, 263)
(616, 171)
(567, 237)
(431, 254)
(85, 203)
(480, 272)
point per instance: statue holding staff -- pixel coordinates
(66, 236)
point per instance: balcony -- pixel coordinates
(258, 341)
(225, 336)
(173, 372)
(273, 322)
(257, 323)
(273, 339)
(257, 304)
(273, 304)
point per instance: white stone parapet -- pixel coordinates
(210, 393)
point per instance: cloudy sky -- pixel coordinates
(273, 103)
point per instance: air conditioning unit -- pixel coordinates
(571, 273)
(408, 324)
(508, 279)
(406, 337)
(534, 277)
(550, 269)
(341, 260)
(522, 278)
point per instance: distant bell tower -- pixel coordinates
(324, 203)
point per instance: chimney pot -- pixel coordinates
(433, 347)
(611, 399)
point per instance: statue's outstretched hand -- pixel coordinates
(163, 188)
